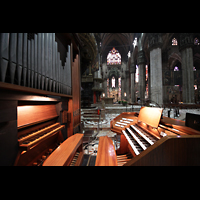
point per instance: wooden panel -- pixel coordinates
(65, 152)
(8, 110)
(170, 151)
(123, 145)
(76, 91)
(8, 143)
(64, 116)
(70, 116)
(150, 116)
(30, 90)
(106, 155)
(31, 114)
(170, 121)
(178, 125)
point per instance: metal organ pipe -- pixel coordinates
(34, 61)
(4, 54)
(42, 63)
(24, 58)
(12, 55)
(19, 56)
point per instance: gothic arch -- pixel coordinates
(173, 59)
(113, 72)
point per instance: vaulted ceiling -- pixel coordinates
(121, 41)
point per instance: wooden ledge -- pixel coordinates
(15, 87)
(106, 155)
(63, 155)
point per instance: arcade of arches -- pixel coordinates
(136, 67)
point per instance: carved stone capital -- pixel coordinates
(186, 40)
(155, 40)
(141, 58)
(127, 73)
(132, 68)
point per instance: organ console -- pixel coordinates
(154, 141)
(39, 133)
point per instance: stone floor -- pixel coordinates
(182, 113)
(92, 147)
(105, 124)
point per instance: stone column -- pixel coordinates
(123, 86)
(186, 42)
(142, 75)
(105, 86)
(156, 83)
(132, 71)
(127, 85)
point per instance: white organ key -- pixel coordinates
(125, 121)
(131, 120)
(121, 123)
(144, 136)
(136, 138)
(131, 143)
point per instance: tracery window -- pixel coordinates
(174, 41)
(114, 57)
(196, 41)
(176, 69)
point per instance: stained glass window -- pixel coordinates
(137, 74)
(113, 82)
(119, 85)
(114, 57)
(174, 41)
(196, 41)
(176, 69)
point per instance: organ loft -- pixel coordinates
(99, 99)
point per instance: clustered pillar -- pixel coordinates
(186, 42)
(142, 76)
(156, 84)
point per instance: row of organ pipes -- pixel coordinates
(34, 62)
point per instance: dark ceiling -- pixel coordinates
(123, 42)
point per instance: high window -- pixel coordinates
(119, 85)
(114, 57)
(174, 41)
(176, 69)
(196, 41)
(113, 82)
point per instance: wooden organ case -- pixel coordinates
(37, 107)
(39, 133)
(146, 140)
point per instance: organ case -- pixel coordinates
(36, 95)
